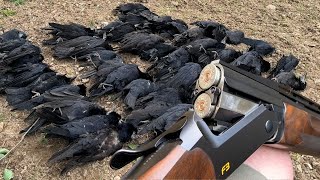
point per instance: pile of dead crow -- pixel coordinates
(156, 98)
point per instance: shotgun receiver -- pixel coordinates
(235, 112)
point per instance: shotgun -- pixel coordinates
(235, 112)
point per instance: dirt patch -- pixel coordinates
(291, 26)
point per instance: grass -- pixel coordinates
(295, 156)
(7, 12)
(44, 140)
(18, 2)
(92, 24)
(2, 118)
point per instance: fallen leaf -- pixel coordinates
(4, 151)
(132, 146)
(7, 174)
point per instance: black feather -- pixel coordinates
(169, 65)
(252, 62)
(75, 47)
(95, 146)
(137, 42)
(75, 129)
(115, 81)
(289, 79)
(136, 89)
(261, 47)
(285, 64)
(166, 120)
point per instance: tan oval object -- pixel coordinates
(209, 76)
(202, 105)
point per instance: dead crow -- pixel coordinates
(153, 105)
(115, 81)
(252, 62)
(65, 92)
(137, 42)
(169, 65)
(26, 97)
(291, 80)
(212, 29)
(136, 89)
(77, 128)
(148, 113)
(168, 96)
(60, 112)
(100, 73)
(158, 51)
(129, 8)
(62, 32)
(103, 55)
(234, 37)
(166, 27)
(205, 58)
(63, 111)
(136, 20)
(166, 120)
(261, 47)
(203, 51)
(18, 95)
(95, 146)
(75, 47)
(18, 54)
(12, 35)
(96, 58)
(117, 33)
(188, 36)
(198, 47)
(228, 55)
(71, 96)
(56, 93)
(184, 80)
(10, 45)
(108, 27)
(142, 19)
(204, 24)
(285, 64)
(22, 76)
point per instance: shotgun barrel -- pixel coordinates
(235, 112)
(301, 116)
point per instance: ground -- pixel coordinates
(292, 26)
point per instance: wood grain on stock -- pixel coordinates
(298, 125)
(182, 164)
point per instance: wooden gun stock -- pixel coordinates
(302, 131)
(182, 164)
